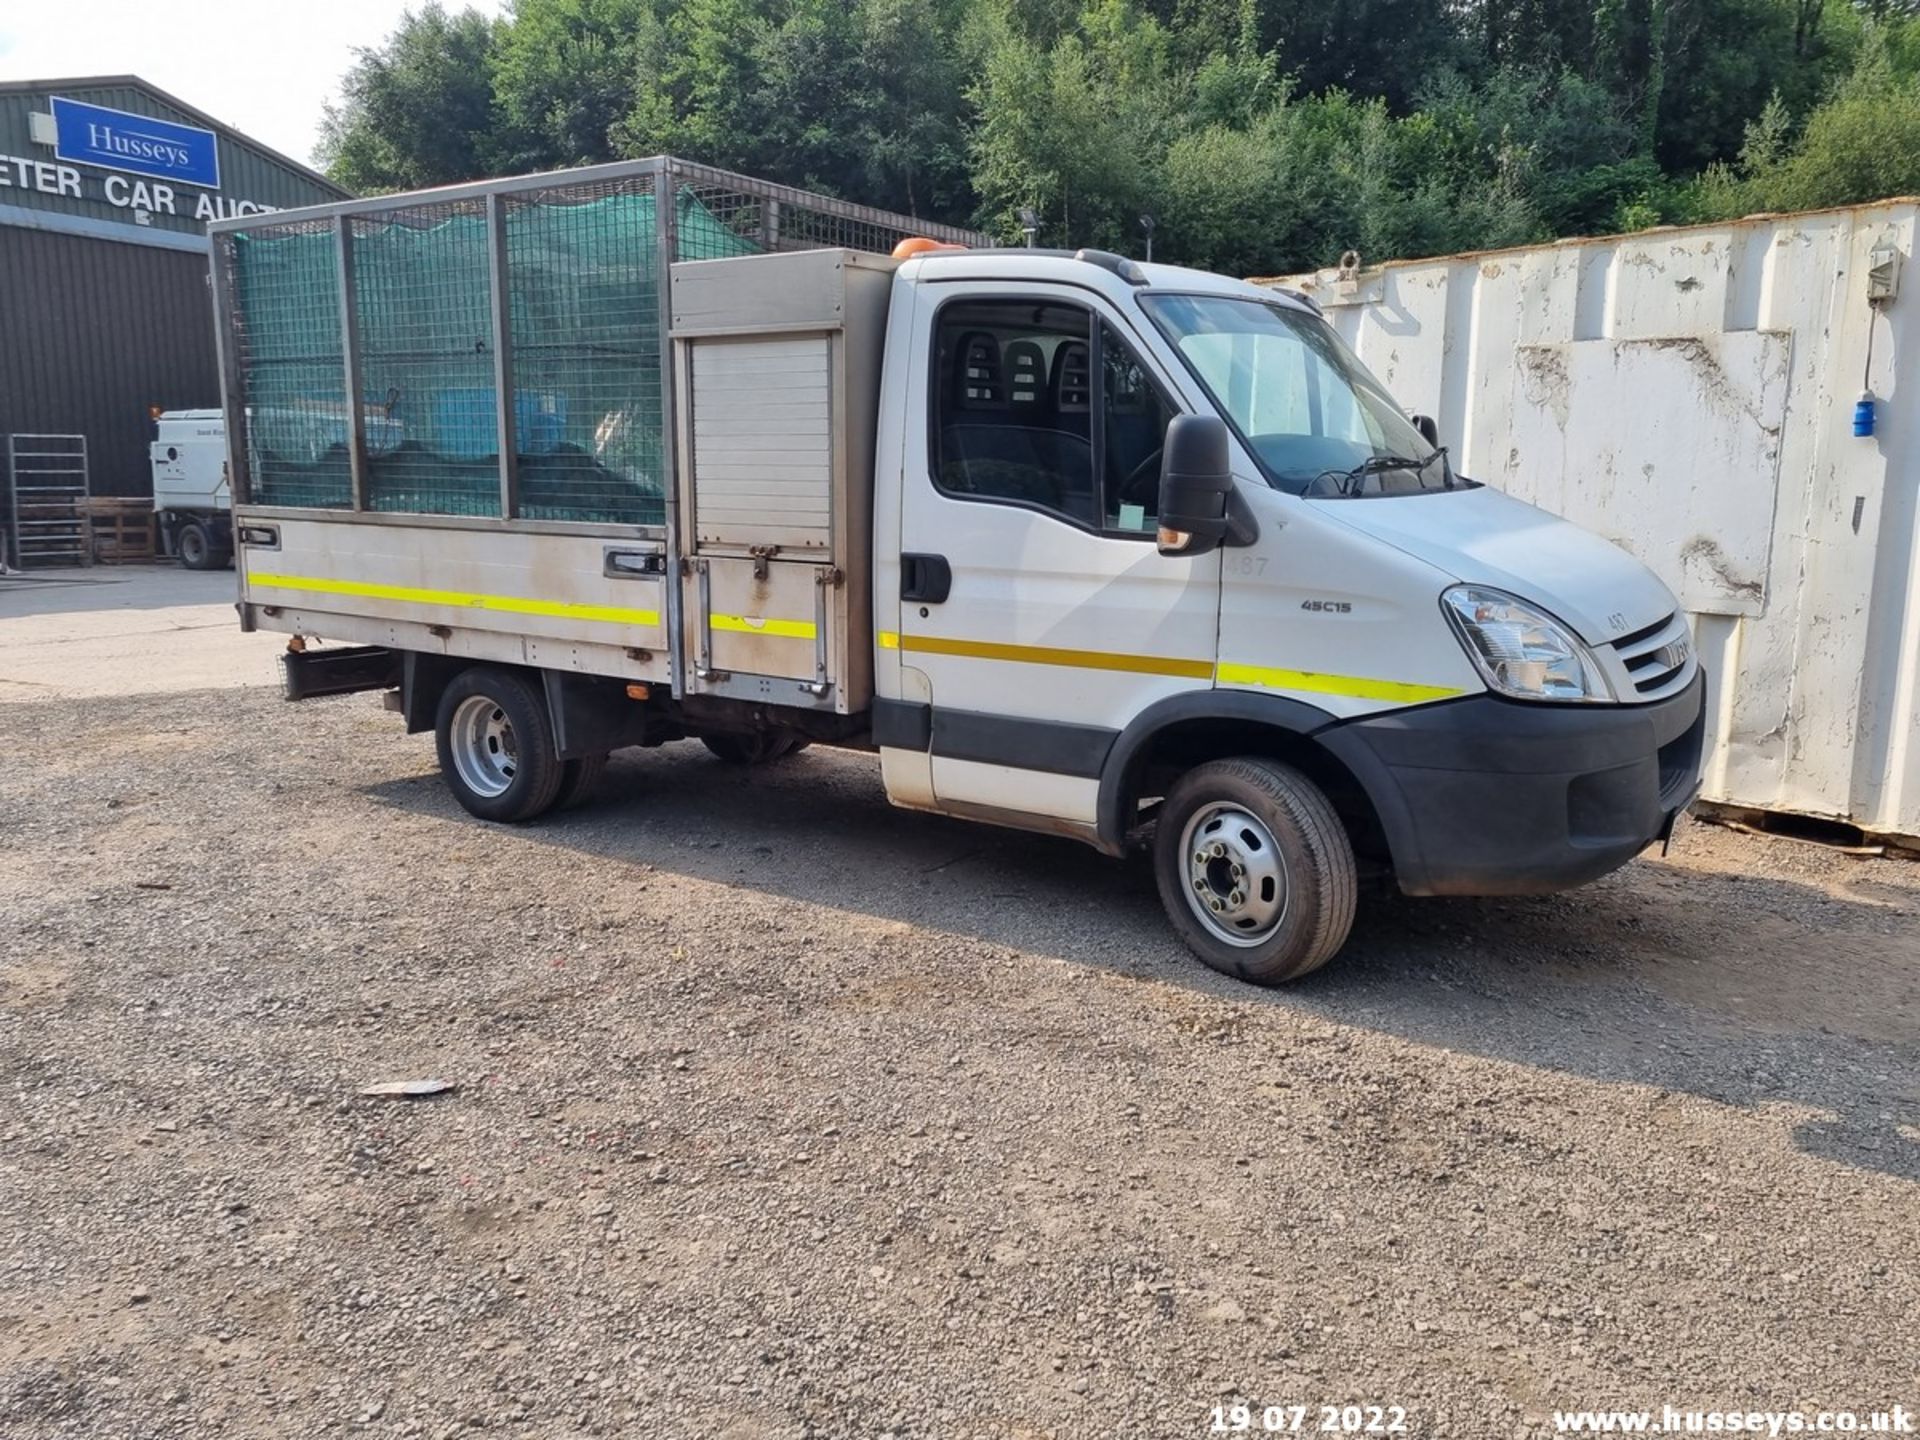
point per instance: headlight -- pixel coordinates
(1523, 651)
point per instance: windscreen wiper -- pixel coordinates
(1346, 484)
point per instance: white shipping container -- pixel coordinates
(1690, 393)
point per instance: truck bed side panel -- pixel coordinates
(573, 602)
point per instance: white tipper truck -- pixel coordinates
(1122, 552)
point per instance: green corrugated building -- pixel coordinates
(106, 187)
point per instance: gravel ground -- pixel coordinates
(781, 1113)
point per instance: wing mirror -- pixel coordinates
(1429, 429)
(1196, 477)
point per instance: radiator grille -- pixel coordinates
(1659, 659)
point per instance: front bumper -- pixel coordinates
(1486, 796)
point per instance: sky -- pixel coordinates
(269, 78)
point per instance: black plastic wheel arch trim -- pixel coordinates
(1120, 772)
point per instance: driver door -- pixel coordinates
(1036, 616)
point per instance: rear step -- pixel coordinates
(338, 671)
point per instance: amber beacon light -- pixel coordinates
(921, 245)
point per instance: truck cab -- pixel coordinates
(1478, 697)
(1123, 552)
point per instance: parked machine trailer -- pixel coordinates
(1122, 552)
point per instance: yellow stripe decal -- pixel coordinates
(459, 599)
(754, 625)
(1047, 655)
(1356, 686)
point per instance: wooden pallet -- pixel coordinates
(119, 531)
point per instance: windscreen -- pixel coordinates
(1313, 417)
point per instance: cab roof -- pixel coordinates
(1112, 274)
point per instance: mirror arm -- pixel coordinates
(1243, 526)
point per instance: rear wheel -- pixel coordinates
(1255, 869)
(763, 747)
(579, 778)
(196, 547)
(496, 747)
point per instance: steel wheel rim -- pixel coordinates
(486, 754)
(1233, 874)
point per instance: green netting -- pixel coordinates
(585, 308)
(584, 331)
(423, 308)
(287, 293)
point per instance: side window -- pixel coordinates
(1133, 428)
(1012, 405)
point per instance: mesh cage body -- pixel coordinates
(285, 332)
(577, 261)
(583, 287)
(423, 306)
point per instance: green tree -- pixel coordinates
(1075, 129)
(907, 142)
(1861, 143)
(563, 76)
(863, 99)
(417, 110)
(1262, 135)
(1563, 141)
(699, 84)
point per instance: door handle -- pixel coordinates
(927, 579)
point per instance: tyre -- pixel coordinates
(579, 778)
(1255, 869)
(763, 747)
(496, 745)
(196, 548)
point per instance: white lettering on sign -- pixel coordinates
(41, 175)
(155, 197)
(137, 146)
(219, 207)
(148, 195)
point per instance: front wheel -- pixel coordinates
(1255, 869)
(496, 745)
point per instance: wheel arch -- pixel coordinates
(590, 714)
(1182, 731)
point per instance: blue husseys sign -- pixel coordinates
(139, 144)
